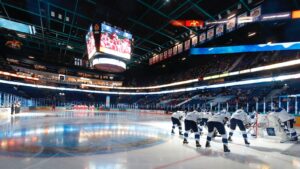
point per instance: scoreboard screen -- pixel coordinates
(115, 42)
(90, 43)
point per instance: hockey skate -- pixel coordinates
(185, 141)
(198, 144)
(229, 138)
(207, 145)
(226, 149)
(246, 142)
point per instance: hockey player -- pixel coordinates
(205, 116)
(239, 118)
(218, 121)
(191, 122)
(287, 122)
(176, 121)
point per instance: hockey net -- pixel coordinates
(267, 126)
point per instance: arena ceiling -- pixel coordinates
(62, 24)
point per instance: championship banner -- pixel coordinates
(187, 44)
(194, 40)
(202, 38)
(151, 61)
(154, 60)
(210, 33)
(175, 50)
(165, 55)
(230, 26)
(241, 20)
(219, 30)
(160, 57)
(255, 13)
(170, 52)
(179, 48)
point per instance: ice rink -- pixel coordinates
(126, 140)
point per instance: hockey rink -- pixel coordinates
(126, 140)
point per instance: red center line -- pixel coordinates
(177, 162)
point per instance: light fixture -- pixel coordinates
(69, 47)
(21, 35)
(52, 13)
(31, 57)
(250, 34)
(183, 59)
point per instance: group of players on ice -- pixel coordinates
(195, 121)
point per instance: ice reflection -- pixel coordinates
(78, 139)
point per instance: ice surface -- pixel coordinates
(167, 152)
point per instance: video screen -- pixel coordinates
(246, 48)
(90, 43)
(115, 42)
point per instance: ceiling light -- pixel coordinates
(251, 34)
(21, 35)
(31, 57)
(69, 47)
(183, 59)
(163, 66)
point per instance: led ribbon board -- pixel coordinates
(229, 84)
(246, 48)
(16, 26)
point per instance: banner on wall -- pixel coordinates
(187, 44)
(210, 33)
(241, 20)
(219, 30)
(179, 48)
(202, 38)
(194, 40)
(230, 26)
(151, 61)
(170, 52)
(165, 55)
(175, 50)
(255, 13)
(157, 58)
